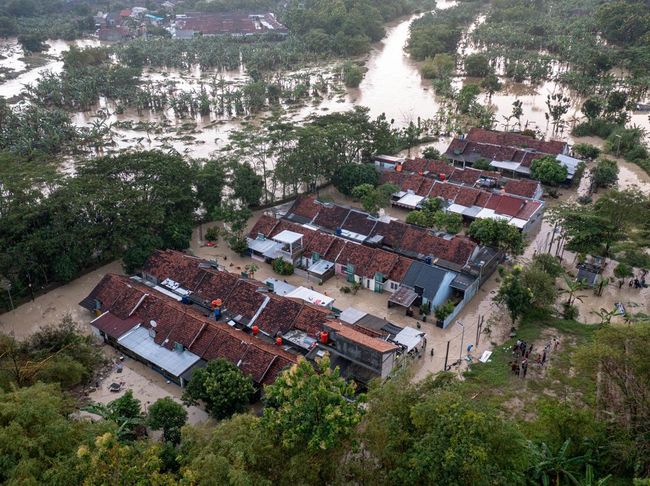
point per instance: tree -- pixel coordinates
(247, 184)
(477, 65)
(555, 466)
(431, 153)
(572, 289)
(548, 170)
(374, 198)
(605, 173)
(514, 295)
(548, 264)
(541, 286)
(222, 387)
(491, 84)
(623, 270)
(311, 407)
(124, 411)
(499, 234)
(251, 269)
(210, 181)
(441, 66)
(449, 222)
(592, 107)
(32, 43)
(352, 175)
(466, 98)
(110, 462)
(352, 74)
(169, 416)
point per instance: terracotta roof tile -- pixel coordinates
(467, 196)
(528, 210)
(402, 266)
(515, 140)
(263, 226)
(359, 338)
(306, 207)
(244, 300)
(113, 326)
(331, 217)
(358, 222)
(320, 243)
(521, 187)
(392, 232)
(381, 262)
(357, 255)
(278, 365)
(509, 205)
(334, 250)
(278, 315)
(445, 191)
(311, 319)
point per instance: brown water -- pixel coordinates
(392, 85)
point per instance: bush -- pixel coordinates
(477, 65)
(212, 234)
(598, 127)
(586, 150)
(431, 153)
(481, 164)
(352, 74)
(444, 310)
(281, 267)
(623, 270)
(605, 173)
(548, 171)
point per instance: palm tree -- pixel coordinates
(605, 315)
(573, 287)
(251, 268)
(552, 467)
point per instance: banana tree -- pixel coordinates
(572, 289)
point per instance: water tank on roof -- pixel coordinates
(278, 341)
(324, 337)
(256, 330)
(442, 176)
(428, 260)
(338, 231)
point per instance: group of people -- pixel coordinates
(638, 282)
(521, 354)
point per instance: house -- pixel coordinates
(173, 338)
(183, 312)
(114, 34)
(383, 162)
(235, 24)
(508, 152)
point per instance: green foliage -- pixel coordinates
(482, 164)
(212, 234)
(247, 184)
(352, 74)
(32, 42)
(441, 66)
(311, 408)
(169, 416)
(444, 310)
(586, 150)
(431, 153)
(210, 181)
(514, 295)
(281, 267)
(627, 142)
(466, 98)
(477, 65)
(59, 354)
(548, 170)
(222, 387)
(352, 175)
(498, 234)
(374, 198)
(623, 270)
(605, 173)
(541, 286)
(548, 264)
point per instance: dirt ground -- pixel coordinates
(147, 386)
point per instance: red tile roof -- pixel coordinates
(528, 210)
(402, 266)
(521, 187)
(509, 205)
(357, 255)
(334, 250)
(245, 300)
(278, 315)
(113, 326)
(511, 139)
(320, 243)
(331, 217)
(359, 338)
(358, 222)
(311, 319)
(263, 226)
(381, 262)
(392, 232)
(467, 196)
(306, 207)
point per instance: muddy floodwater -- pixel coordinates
(392, 85)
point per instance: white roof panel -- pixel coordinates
(352, 315)
(311, 296)
(410, 200)
(409, 337)
(288, 237)
(139, 342)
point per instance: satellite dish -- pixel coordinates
(152, 323)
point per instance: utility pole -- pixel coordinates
(446, 356)
(479, 327)
(462, 338)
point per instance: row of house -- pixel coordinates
(378, 254)
(509, 152)
(484, 198)
(191, 24)
(182, 312)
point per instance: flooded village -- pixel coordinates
(392, 215)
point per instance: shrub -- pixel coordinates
(281, 267)
(598, 127)
(477, 65)
(212, 234)
(352, 74)
(444, 310)
(623, 270)
(586, 150)
(605, 173)
(570, 312)
(431, 153)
